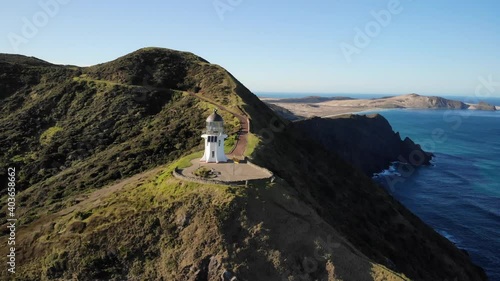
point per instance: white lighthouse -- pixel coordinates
(214, 139)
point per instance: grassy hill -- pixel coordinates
(70, 127)
(95, 149)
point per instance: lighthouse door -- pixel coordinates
(213, 154)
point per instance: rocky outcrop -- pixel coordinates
(482, 106)
(367, 142)
(439, 102)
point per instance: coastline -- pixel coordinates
(307, 107)
(461, 238)
(366, 110)
(426, 189)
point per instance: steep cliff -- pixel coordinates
(367, 142)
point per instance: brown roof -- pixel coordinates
(214, 117)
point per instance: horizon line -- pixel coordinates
(260, 93)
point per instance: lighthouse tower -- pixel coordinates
(214, 139)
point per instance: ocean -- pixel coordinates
(459, 194)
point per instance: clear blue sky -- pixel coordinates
(429, 47)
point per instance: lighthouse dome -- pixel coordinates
(214, 117)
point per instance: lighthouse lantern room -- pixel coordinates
(214, 139)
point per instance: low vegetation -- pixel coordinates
(230, 143)
(48, 135)
(185, 161)
(203, 172)
(253, 141)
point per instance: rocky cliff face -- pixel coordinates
(82, 137)
(363, 212)
(367, 142)
(439, 102)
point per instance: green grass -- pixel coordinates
(229, 143)
(46, 137)
(202, 172)
(380, 272)
(231, 122)
(106, 83)
(163, 190)
(24, 158)
(152, 197)
(253, 141)
(185, 161)
(181, 163)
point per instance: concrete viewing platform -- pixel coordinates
(227, 171)
(204, 170)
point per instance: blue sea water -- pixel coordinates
(459, 195)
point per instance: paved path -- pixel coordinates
(242, 141)
(228, 171)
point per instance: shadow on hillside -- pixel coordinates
(275, 236)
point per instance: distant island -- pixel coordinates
(297, 108)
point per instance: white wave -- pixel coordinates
(448, 236)
(391, 171)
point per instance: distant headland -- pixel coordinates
(295, 108)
